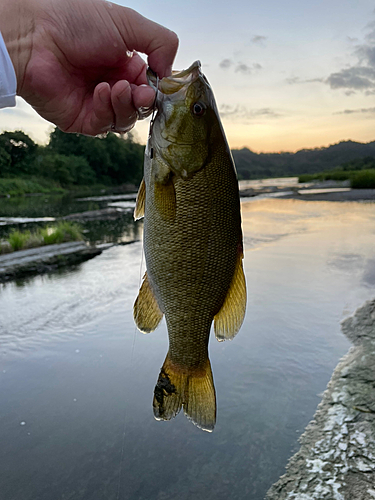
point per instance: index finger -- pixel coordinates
(139, 33)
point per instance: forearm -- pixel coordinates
(17, 28)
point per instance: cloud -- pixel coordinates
(241, 113)
(368, 111)
(240, 67)
(355, 78)
(244, 69)
(226, 63)
(359, 77)
(296, 80)
(259, 39)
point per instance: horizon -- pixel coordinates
(136, 139)
(287, 76)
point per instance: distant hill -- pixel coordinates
(252, 165)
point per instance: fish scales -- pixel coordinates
(192, 254)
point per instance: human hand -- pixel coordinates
(75, 64)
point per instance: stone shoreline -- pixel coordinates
(337, 456)
(44, 259)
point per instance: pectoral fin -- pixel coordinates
(229, 319)
(165, 200)
(146, 311)
(139, 210)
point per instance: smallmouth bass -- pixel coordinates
(192, 241)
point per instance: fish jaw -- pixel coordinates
(187, 117)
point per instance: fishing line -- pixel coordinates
(130, 367)
(135, 327)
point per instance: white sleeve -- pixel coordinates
(8, 82)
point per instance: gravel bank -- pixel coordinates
(337, 456)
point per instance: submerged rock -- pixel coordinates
(43, 259)
(337, 456)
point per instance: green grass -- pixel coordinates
(365, 179)
(18, 240)
(61, 233)
(334, 175)
(359, 176)
(20, 186)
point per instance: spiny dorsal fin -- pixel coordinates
(146, 311)
(139, 210)
(165, 200)
(229, 319)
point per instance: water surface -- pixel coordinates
(77, 379)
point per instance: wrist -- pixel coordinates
(17, 27)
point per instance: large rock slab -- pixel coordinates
(43, 259)
(337, 456)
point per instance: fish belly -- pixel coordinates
(191, 260)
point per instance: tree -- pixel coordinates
(21, 149)
(115, 160)
(5, 161)
(66, 169)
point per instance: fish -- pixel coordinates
(189, 199)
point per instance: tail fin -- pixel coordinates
(193, 389)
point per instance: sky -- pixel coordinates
(287, 74)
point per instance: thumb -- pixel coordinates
(139, 33)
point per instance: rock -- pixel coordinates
(5, 247)
(337, 456)
(108, 213)
(43, 259)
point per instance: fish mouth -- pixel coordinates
(172, 84)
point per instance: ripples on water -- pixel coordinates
(76, 373)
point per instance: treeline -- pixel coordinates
(72, 159)
(77, 160)
(252, 165)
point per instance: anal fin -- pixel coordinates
(229, 319)
(146, 311)
(139, 210)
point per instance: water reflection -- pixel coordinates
(74, 369)
(368, 277)
(30, 213)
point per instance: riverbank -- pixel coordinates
(44, 259)
(39, 186)
(337, 456)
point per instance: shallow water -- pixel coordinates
(76, 378)
(31, 212)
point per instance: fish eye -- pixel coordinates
(198, 108)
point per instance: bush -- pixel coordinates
(17, 239)
(337, 176)
(364, 179)
(63, 232)
(310, 177)
(20, 186)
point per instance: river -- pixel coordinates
(77, 378)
